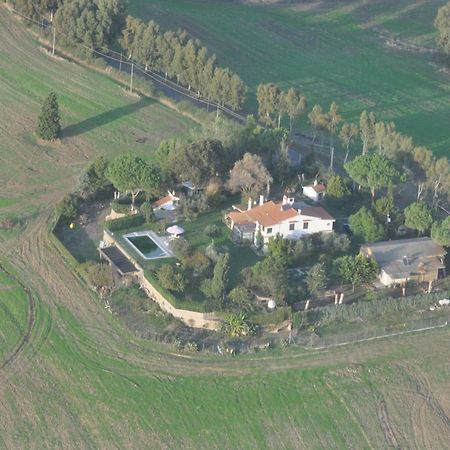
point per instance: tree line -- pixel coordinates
(98, 24)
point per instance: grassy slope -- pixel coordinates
(98, 117)
(82, 381)
(330, 51)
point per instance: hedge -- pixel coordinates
(372, 309)
(125, 222)
(121, 208)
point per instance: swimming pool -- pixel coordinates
(144, 244)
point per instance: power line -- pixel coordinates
(154, 76)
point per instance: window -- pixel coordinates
(269, 230)
(305, 225)
(291, 226)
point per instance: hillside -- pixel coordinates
(72, 377)
(330, 51)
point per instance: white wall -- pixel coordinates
(309, 192)
(315, 226)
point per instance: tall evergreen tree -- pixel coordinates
(48, 126)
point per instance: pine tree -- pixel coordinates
(48, 126)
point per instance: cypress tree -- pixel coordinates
(48, 126)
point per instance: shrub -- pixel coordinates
(98, 275)
(121, 207)
(180, 248)
(67, 208)
(146, 210)
(371, 309)
(170, 278)
(125, 222)
(212, 231)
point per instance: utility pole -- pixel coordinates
(131, 80)
(332, 158)
(120, 63)
(54, 40)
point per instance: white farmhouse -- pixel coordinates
(290, 219)
(315, 192)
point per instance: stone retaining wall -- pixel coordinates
(193, 319)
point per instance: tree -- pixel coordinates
(200, 161)
(336, 188)
(48, 126)
(438, 177)
(385, 209)
(332, 120)
(90, 22)
(130, 173)
(373, 171)
(270, 275)
(440, 232)
(442, 24)
(367, 130)
(249, 176)
(242, 299)
(94, 182)
(268, 96)
(280, 248)
(315, 118)
(37, 9)
(356, 270)
(347, 136)
(219, 283)
(316, 279)
(365, 226)
(418, 216)
(294, 105)
(170, 278)
(146, 210)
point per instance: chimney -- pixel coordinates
(315, 182)
(285, 199)
(249, 204)
(261, 200)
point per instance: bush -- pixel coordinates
(67, 208)
(370, 309)
(170, 278)
(125, 222)
(146, 210)
(180, 248)
(212, 231)
(121, 207)
(98, 275)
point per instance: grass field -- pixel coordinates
(330, 51)
(98, 117)
(72, 377)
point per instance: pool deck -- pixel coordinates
(161, 241)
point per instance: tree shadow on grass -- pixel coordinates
(104, 118)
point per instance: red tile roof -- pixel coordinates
(162, 201)
(271, 213)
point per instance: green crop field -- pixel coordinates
(72, 377)
(330, 51)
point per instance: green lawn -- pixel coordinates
(330, 51)
(240, 257)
